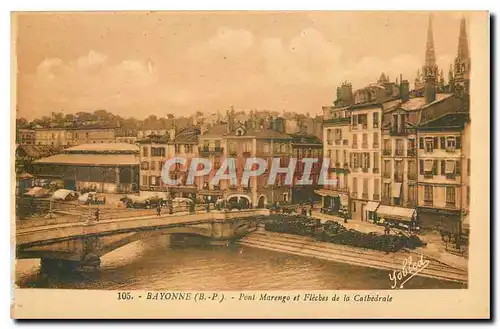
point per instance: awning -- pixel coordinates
(324, 192)
(371, 206)
(398, 213)
(450, 167)
(428, 164)
(396, 190)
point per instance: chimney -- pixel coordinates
(404, 90)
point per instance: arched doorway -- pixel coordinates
(243, 201)
(262, 201)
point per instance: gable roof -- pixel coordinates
(455, 120)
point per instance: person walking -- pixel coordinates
(96, 215)
(310, 211)
(158, 210)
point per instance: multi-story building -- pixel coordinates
(72, 136)
(336, 144)
(306, 146)
(364, 156)
(25, 137)
(443, 179)
(155, 150)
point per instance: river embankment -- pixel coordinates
(310, 247)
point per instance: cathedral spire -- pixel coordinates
(430, 55)
(430, 69)
(463, 46)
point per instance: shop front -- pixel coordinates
(370, 211)
(444, 220)
(395, 216)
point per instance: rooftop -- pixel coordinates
(104, 148)
(447, 120)
(418, 103)
(91, 159)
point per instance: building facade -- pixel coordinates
(443, 172)
(72, 136)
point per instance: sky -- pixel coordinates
(141, 63)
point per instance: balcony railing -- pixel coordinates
(365, 170)
(450, 204)
(376, 196)
(398, 177)
(412, 176)
(451, 149)
(428, 203)
(399, 132)
(387, 152)
(364, 196)
(376, 170)
(337, 164)
(411, 152)
(400, 152)
(210, 150)
(451, 176)
(364, 145)
(329, 142)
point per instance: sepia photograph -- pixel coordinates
(159, 153)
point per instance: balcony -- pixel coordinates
(376, 197)
(412, 176)
(399, 132)
(411, 152)
(398, 178)
(365, 170)
(387, 152)
(386, 200)
(364, 196)
(428, 203)
(400, 152)
(450, 204)
(387, 174)
(345, 142)
(204, 151)
(451, 176)
(364, 145)
(376, 170)
(375, 145)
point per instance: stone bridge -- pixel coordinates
(79, 246)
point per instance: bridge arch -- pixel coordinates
(105, 248)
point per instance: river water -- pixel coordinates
(153, 265)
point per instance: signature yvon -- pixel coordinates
(408, 271)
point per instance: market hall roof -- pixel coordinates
(103, 148)
(90, 159)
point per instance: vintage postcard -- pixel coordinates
(256, 164)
